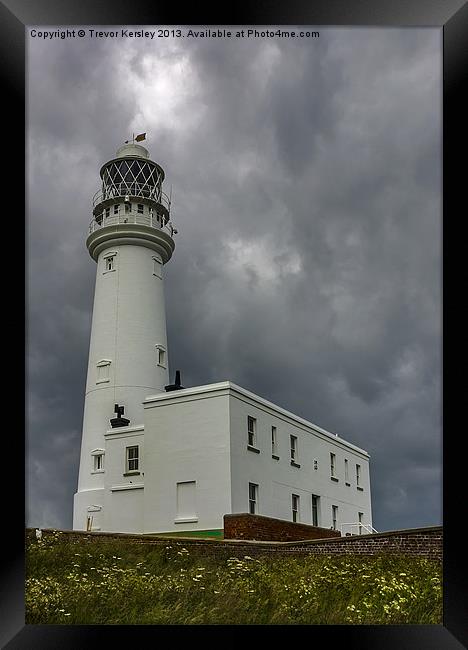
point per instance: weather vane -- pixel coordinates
(138, 138)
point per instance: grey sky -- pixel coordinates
(306, 190)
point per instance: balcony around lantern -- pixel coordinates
(158, 222)
(132, 190)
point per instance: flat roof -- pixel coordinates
(229, 387)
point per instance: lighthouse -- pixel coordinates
(158, 457)
(130, 238)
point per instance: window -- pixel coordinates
(293, 441)
(251, 430)
(161, 355)
(128, 207)
(157, 267)
(334, 516)
(358, 475)
(332, 465)
(98, 460)
(140, 208)
(132, 459)
(295, 507)
(253, 497)
(103, 371)
(107, 212)
(360, 517)
(273, 442)
(109, 263)
(315, 510)
(186, 501)
(116, 208)
(346, 471)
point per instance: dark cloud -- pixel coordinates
(306, 190)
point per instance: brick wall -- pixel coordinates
(258, 527)
(419, 542)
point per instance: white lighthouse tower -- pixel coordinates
(130, 239)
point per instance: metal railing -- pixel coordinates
(101, 221)
(132, 189)
(360, 526)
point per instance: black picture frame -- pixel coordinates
(451, 16)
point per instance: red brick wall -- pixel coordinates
(258, 527)
(419, 542)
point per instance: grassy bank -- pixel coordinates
(123, 582)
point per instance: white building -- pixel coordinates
(160, 458)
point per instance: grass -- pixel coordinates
(120, 581)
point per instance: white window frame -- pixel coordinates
(346, 470)
(293, 447)
(109, 260)
(316, 510)
(253, 498)
(274, 441)
(157, 267)
(332, 465)
(98, 453)
(161, 355)
(134, 459)
(358, 475)
(334, 517)
(251, 432)
(296, 508)
(360, 518)
(102, 376)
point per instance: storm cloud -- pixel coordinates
(306, 186)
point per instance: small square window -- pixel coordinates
(140, 208)
(116, 208)
(109, 263)
(107, 212)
